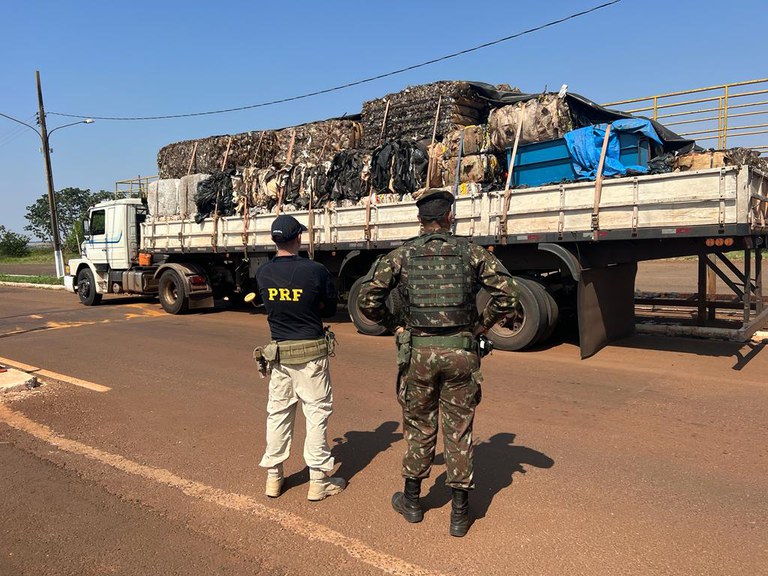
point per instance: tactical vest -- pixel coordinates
(438, 282)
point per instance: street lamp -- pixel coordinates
(44, 137)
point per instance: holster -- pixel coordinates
(330, 340)
(265, 357)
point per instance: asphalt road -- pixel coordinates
(649, 458)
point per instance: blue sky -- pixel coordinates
(170, 56)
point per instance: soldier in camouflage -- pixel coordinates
(438, 275)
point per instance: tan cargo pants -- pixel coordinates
(310, 384)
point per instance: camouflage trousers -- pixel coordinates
(444, 380)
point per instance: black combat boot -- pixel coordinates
(407, 502)
(459, 512)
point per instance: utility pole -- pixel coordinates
(58, 256)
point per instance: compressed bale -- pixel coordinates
(215, 196)
(411, 113)
(245, 149)
(476, 168)
(163, 198)
(545, 117)
(476, 141)
(318, 142)
(699, 161)
(187, 192)
(399, 166)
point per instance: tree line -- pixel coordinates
(71, 206)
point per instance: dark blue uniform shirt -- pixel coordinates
(297, 294)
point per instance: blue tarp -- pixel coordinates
(585, 145)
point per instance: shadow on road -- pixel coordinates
(496, 462)
(742, 352)
(358, 448)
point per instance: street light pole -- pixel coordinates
(58, 256)
(44, 138)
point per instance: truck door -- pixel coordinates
(108, 241)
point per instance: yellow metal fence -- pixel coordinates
(719, 117)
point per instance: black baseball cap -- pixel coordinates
(285, 228)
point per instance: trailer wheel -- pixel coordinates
(548, 308)
(86, 288)
(171, 292)
(363, 324)
(520, 329)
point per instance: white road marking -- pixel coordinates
(293, 523)
(55, 375)
(72, 380)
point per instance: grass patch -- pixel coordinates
(39, 256)
(52, 280)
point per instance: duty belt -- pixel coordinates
(300, 351)
(460, 342)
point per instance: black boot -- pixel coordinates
(459, 512)
(407, 502)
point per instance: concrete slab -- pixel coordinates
(12, 380)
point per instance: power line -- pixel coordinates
(350, 84)
(17, 131)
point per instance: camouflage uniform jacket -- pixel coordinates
(487, 272)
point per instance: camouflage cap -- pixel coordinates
(434, 203)
(434, 193)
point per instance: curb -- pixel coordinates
(12, 380)
(30, 285)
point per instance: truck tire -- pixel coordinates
(363, 325)
(173, 297)
(86, 288)
(517, 331)
(553, 310)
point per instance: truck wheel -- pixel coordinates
(86, 288)
(363, 325)
(520, 329)
(552, 309)
(173, 299)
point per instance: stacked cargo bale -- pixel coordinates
(411, 112)
(163, 199)
(479, 163)
(544, 117)
(317, 142)
(187, 193)
(207, 155)
(399, 167)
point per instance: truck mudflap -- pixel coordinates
(606, 306)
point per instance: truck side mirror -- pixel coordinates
(86, 227)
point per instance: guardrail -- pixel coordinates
(719, 116)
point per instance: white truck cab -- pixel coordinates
(110, 262)
(112, 230)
